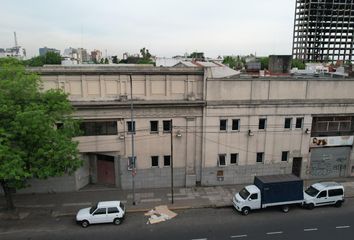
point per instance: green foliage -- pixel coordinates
(102, 61)
(197, 55)
(48, 58)
(106, 61)
(296, 63)
(264, 62)
(234, 62)
(145, 53)
(114, 59)
(30, 144)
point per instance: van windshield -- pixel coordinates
(244, 193)
(311, 191)
(92, 209)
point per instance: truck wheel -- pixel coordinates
(311, 206)
(338, 204)
(84, 224)
(246, 211)
(285, 208)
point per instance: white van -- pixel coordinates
(102, 212)
(325, 193)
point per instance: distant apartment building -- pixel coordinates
(43, 51)
(83, 56)
(96, 55)
(16, 52)
(323, 30)
(226, 128)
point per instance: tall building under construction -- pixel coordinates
(323, 30)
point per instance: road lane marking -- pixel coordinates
(199, 239)
(341, 227)
(310, 229)
(239, 236)
(274, 233)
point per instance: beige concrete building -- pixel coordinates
(225, 129)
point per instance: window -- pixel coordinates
(113, 210)
(223, 124)
(262, 123)
(154, 126)
(131, 127)
(287, 123)
(233, 158)
(284, 156)
(322, 194)
(254, 196)
(335, 192)
(222, 160)
(299, 122)
(167, 161)
(98, 128)
(260, 157)
(235, 124)
(154, 161)
(100, 211)
(166, 126)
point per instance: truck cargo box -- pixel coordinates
(279, 188)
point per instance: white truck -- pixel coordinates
(267, 191)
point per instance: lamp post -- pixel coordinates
(171, 161)
(133, 132)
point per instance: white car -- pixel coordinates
(102, 212)
(324, 193)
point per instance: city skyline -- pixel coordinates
(166, 28)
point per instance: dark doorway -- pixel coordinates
(105, 170)
(297, 162)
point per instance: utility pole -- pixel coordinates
(133, 132)
(171, 161)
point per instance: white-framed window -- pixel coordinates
(233, 158)
(235, 124)
(222, 160)
(154, 161)
(287, 123)
(154, 126)
(223, 124)
(260, 157)
(299, 122)
(284, 156)
(262, 123)
(166, 160)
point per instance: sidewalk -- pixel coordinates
(67, 204)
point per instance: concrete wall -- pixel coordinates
(240, 174)
(152, 177)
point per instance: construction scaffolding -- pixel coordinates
(323, 30)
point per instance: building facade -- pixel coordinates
(323, 30)
(224, 130)
(43, 51)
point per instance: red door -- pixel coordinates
(105, 170)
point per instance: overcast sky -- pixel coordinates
(166, 27)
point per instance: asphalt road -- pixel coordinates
(320, 223)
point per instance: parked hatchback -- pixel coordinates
(325, 193)
(102, 212)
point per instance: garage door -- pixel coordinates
(329, 162)
(105, 170)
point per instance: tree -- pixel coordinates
(145, 53)
(48, 58)
(52, 58)
(30, 144)
(264, 62)
(296, 63)
(115, 59)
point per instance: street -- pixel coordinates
(222, 223)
